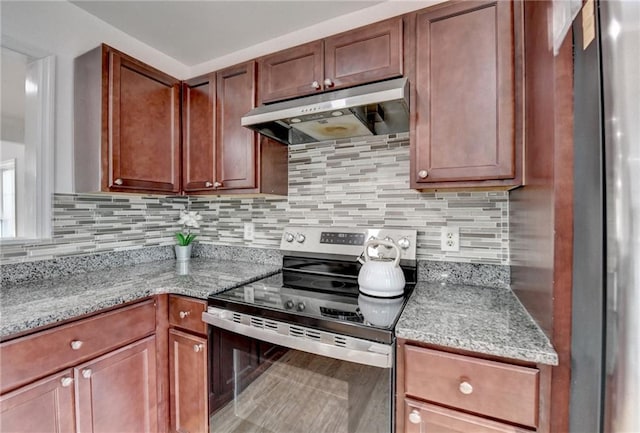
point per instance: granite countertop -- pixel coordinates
(477, 319)
(28, 305)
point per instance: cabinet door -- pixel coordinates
(423, 417)
(188, 377)
(364, 55)
(291, 73)
(143, 139)
(236, 145)
(465, 97)
(198, 134)
(43, 406)
(117, 392)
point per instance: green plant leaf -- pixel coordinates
(184, 240)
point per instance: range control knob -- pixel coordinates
(288, 237)
(300, 306)
(289, 304)
(388, 239)
(404, 243)
(300, 238)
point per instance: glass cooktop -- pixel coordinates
(321, 302)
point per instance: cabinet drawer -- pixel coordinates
(490, 388)
(29, 358)
(423, 417)
(186, 313)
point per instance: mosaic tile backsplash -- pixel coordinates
(345, 183)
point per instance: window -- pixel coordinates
(8, 199)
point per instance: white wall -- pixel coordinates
(66, 31)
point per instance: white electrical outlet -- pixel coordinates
(450, 239)
(249, 229)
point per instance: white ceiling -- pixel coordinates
(194, 32)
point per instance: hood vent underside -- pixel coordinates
(372, 109)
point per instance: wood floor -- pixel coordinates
(304, 393)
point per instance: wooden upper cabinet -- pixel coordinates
(219, 156)
(464, 121)
(236, 145)
(364, 55)
(367, 54)
(141, 149)
(198, 134)
(291, 73)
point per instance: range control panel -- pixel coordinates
(348, 241)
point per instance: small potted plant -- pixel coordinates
(188, 219)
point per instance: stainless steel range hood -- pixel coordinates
(372, 109)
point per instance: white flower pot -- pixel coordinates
(183, 253)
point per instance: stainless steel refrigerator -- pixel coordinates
(605, 392)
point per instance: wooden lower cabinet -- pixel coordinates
(94, 375)
(117, 392)
(439, 391)
(43, 406)
(423, 417)
(189, 382)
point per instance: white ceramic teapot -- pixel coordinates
(381, 277)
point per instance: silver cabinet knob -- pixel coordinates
(217, 184)
(422, 174)
(300, 238)
(289, 237)
(66, 382)
(184, 314)
(86, 373)
(118, 181)
(76, 344)
(315, 85)
(208, 184)
(465, 387)
(327, 82)
(198, 348)
(404, 243)
(414, 417)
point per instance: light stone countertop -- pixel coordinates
(483, 320)
(477, 319)
(29, 305)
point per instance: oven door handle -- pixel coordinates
(301, 338)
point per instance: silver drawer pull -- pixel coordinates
(465, 387)
(184, 314)
(118, 182)
(208, 184)
(414, 417)
(76, 344)
(197, 347)
(66, 382)
(86, 373)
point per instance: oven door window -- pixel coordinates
(270, 389)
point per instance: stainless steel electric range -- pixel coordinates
(308, 339)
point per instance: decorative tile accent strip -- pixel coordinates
(473, 274)
(355, 182)
(95, 223)
(363, 182)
